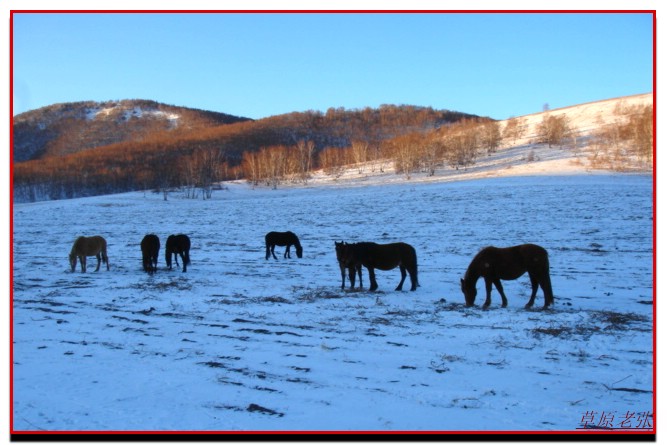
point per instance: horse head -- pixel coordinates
(469, 291)
(339, 250)
(72, 261)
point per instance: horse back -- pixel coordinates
(385, 256)
(150, 243)
(509, 263)
(177, 243)
(281, 238)
(183, 241)
(89, 246)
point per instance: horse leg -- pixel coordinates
(287, 255)
(413, 278)
(352, 273)
(488, 282)
(501, 291)
(545, 283)
(99, 261)
(185, 265)
(358, 268)
(371, 276)
(534, 282)
(403, 275)
(342, 275)
(82, 259)
(273, 251)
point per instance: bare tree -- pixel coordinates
(553, 130)
(305, 149)
(514, 129)
(489, 136)
(405, 153)
(460, 145)
(360, 154)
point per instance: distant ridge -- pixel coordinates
(66, 128)
(139, 145)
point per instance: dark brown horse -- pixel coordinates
(178, 245)
(345, 263)
(495, 264)
(289, 239)
(384, 257)
(88, 246)
(150, 249)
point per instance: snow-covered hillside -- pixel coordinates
(525, 156)
(239, 343)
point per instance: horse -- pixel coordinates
(178, 245)
(384, 257)
(150, 248)
(353, 268)
(289, 239)
(88, 246)
(509, 263)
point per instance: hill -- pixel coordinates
(602, 136)
(162, 151)
(67, 128)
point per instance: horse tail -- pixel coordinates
(167, 255)
(410, 255)
(546, 284)
(103, 250)
(414, 255)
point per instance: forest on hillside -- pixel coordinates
(201, 156)
(289, 147)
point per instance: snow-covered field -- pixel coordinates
(242, 343)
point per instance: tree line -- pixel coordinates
(288, 148)
(195, 159)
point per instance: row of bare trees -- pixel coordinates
(272, 165)
(625, 142)
(457, 145)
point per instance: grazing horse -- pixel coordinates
(384, 257)
(178, 245)
(88, 246)
(509, 263)
(346, 263)
(289, 239)
(150, 248)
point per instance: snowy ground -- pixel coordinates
(241, 343)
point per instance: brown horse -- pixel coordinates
(344, 263)
(178, 245)
(88, 246)
(289, 239)
(495, 264)
(384, 257)
(150, 249)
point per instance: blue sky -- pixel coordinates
(258, 65)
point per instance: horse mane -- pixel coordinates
(474, 260)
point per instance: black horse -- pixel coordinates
(384, 257)
(288, 239)
(509, 263)
(178, 245)
(150, 248)
(347, 263)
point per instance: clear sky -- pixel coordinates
(258, 65)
